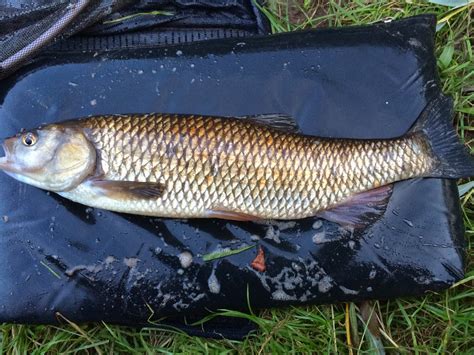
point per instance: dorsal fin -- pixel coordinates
(279, 121)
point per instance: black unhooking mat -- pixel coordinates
(94, 265)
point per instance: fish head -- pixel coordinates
(54, 157)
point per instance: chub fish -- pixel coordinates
(248, 168)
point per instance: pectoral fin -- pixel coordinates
(359, 210)
(127, 189)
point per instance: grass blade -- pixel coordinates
(225, 252)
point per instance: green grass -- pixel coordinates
(436, 323)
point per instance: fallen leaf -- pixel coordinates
(259, 262)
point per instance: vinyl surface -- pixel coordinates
(90, 265)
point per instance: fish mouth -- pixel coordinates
(5, 164)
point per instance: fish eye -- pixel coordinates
(29, 139)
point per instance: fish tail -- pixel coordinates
(435, 122)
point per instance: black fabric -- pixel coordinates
(183, 21)
(91, 265)
(28, 27)
(190, 14)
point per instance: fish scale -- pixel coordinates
(210, 165)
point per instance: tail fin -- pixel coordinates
(435, 122)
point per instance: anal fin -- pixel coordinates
(359, 210)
